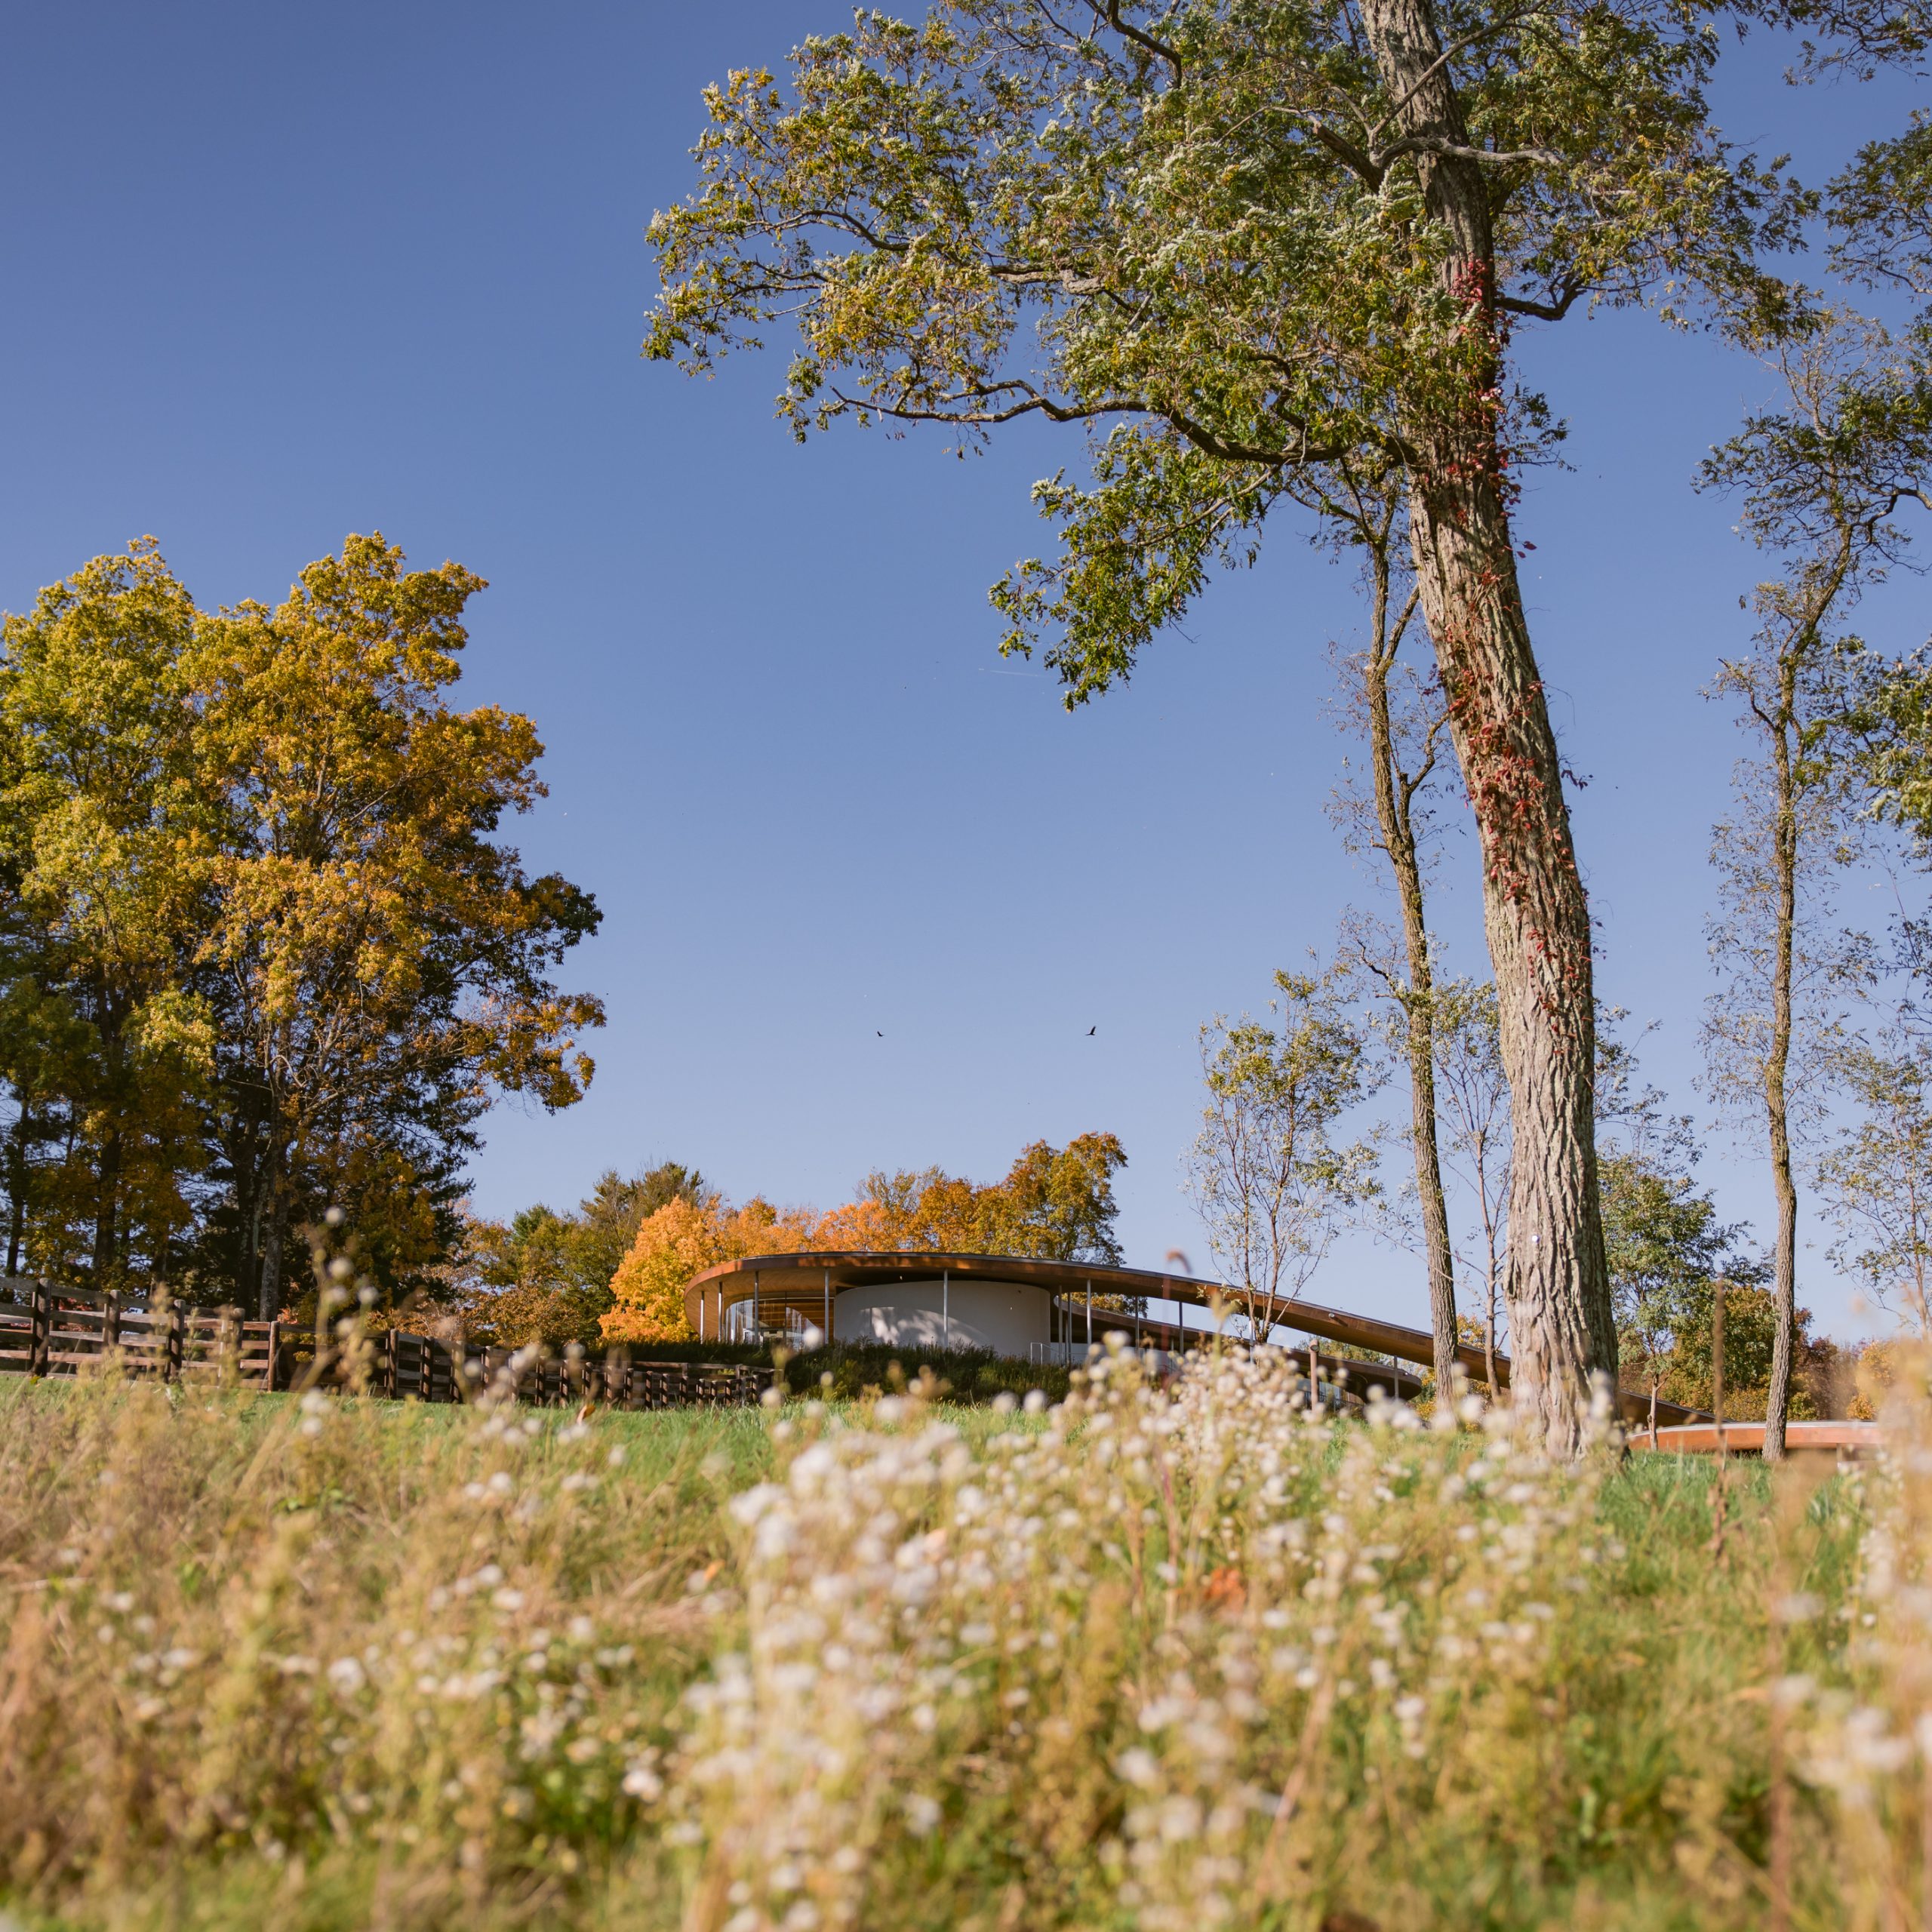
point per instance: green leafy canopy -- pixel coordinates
(1199, 229)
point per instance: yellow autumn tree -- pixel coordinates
(679, 1242)
(379, 962)
(1056, 1202)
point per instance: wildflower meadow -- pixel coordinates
(1149, 1656)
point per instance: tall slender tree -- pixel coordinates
(1406, 724)
(1272, 1181)
(1475, 1092)
(1254, 238)
(1822, 479)
(1875, 1174)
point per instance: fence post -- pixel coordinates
(42, 1322)
(171, 1368)
(110, 1322)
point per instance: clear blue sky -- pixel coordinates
(277, 273)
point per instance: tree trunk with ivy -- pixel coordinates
(1534, 910)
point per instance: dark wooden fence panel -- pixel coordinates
(616, 1381)
(81, 1327)
(147, 1337)
(210, 1343)
(417, 1367)
(21, 1333)
(59, 1331)
(261, 1361)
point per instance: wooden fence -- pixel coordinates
(59, 1331)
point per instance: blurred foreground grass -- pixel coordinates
(1152, 1659)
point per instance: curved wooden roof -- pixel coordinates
(1747, 1438)
(802, 1277)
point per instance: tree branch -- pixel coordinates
(1110, 13)
(968, 408)
(1358, 159)
(1546, 312)
(1430, 144)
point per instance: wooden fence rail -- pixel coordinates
(59, 1331)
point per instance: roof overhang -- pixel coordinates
(804, 1277)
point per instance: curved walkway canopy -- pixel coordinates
(808, 1283)
(1835, 1438)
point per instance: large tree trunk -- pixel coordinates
(1537, 922)
(107, 1203)
(1784, 1276)
(274, 1207)
(16, 1188)
(1394, 819)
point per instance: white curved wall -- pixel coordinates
(1003, 1316)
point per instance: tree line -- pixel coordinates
(616, 1268)
(1282, 1168)
(262, 951)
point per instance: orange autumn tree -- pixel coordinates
(1056, 1203)
(680, 1241)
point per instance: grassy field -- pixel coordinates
(1146, 1659)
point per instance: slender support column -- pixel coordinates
(945, 1305)
(1090, 1315)
(827, 1304)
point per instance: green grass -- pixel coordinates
(361, 1664)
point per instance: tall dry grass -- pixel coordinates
(1149, 1659)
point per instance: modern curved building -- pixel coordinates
(915, 1300)
(1032, 1309)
